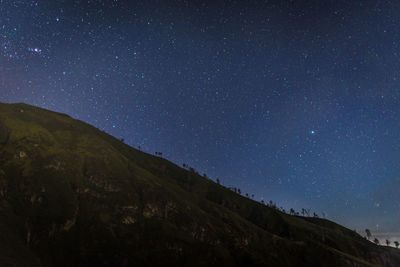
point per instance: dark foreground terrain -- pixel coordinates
(72, 195)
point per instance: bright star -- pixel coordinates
(35, 50)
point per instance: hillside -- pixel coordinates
(72, 195)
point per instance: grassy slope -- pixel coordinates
(72, 195)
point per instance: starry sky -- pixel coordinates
(294, 101)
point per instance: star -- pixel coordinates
(35, 50)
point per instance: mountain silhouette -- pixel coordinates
(72, 195)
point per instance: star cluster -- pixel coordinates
(294, 101)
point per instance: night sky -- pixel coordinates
(294, 101)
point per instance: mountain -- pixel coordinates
(72, 195)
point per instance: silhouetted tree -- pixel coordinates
(396, 243)
(122, 140)
(140, 148)
(387, 242)
(303, 211)
(184, 165)
(239, 191)
(315, 215)
(218, 181)
(292, 211)
(262, 202)
(272, 204)
(252, 196)
(247, 194)
(376, 241)
(368, 232)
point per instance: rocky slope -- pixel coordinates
(72, 195)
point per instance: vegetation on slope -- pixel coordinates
(72, 195)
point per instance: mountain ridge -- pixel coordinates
(72, 195)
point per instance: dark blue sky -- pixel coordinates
(294, 101)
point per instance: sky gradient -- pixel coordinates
(294, 101)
